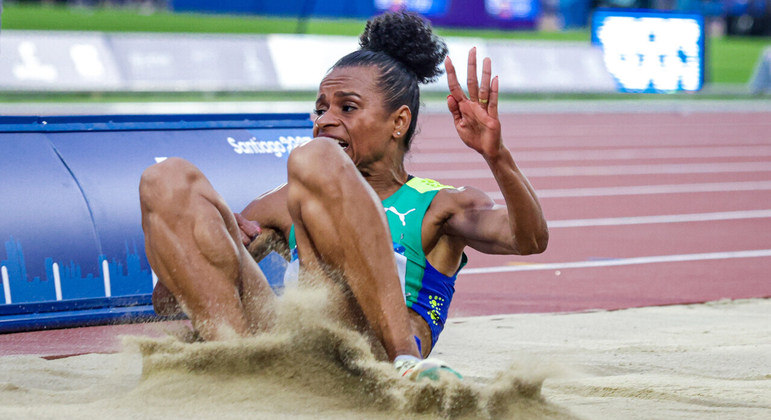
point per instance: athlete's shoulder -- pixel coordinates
(463, 198)
(424, 185)
(460, 197)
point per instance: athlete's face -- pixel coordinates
(350, 109)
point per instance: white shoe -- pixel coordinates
(416, 370)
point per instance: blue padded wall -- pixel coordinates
(69, 204)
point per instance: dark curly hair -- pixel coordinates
(406, 51)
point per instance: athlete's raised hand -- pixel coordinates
(476, 116)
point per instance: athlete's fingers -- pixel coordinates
(245, 238)
(484, 88)
(452, 81)
(471, 75)
(492, 107)
(454, 108)
(249, 229)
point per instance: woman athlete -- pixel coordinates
(332, 206)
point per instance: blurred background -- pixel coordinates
(733, 17)
(266, 51)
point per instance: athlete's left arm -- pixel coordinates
(519, 227)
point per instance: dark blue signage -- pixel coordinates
(513, 9)
(428, 8)
(508, 14)
(70, 220)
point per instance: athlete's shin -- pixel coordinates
(339, 222)
(192, 244)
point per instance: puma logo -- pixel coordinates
(393, 210)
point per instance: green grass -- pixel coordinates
(122, 20)
(733, 59)
(729, 59)
(34, 17)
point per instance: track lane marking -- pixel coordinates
(610, 154)
(647, 189)
(666, 218)
(612, 170)
(758, 253)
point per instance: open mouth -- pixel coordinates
(342, 143)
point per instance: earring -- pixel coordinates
(398, 133)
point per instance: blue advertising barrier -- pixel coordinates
(510, 14)
(69, 212)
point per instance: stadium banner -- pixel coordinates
(301, 61)
(57, 61)
(524, 66)
(509, 14)
(185, 62)
(428, 8)
(761, 77)
(288, 8)
(651, 51)
(550, 67)
(74, 247)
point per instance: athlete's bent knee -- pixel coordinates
(167, 181)
(319, 162)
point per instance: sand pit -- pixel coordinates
(700, 361)
(696, 361)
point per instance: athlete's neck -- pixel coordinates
(387, 181)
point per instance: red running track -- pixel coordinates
(706, 177)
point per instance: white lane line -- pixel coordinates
(607, 154)
(563, 140)
(57, 281)
(669, 218)
(610, 170)
(106, 275)
(621, 261)
(6, 284)
(647, 189)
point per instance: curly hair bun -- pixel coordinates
(407, 38)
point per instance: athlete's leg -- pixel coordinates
(164, 302)
(193, 245)
(340, 223)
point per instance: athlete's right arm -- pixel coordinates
(270, 211)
